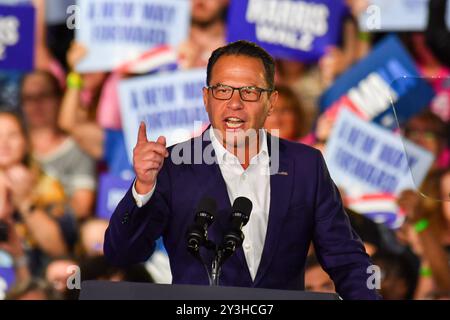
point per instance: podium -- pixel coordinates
(106, 290)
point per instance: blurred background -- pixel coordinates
(367, 82)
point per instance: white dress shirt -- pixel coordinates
(253, 183)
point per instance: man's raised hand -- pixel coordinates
(148, 159)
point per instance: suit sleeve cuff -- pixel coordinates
(141, 199)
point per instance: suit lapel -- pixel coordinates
(213, 185)
(281, 184)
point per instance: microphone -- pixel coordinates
(197, 234)
(240, 214)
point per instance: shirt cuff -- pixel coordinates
(141, 199)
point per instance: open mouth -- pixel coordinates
(234, 123)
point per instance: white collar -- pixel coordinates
(223, 155)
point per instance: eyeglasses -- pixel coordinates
(224, 92)
(37, 98)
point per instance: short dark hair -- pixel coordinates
(244, 48)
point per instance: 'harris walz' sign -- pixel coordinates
(290, 29)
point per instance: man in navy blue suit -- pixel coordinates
(294, 199)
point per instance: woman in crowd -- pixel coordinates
(57, 154)
(101, 139)
(288, 116)
(31, 203)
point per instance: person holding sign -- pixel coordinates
(294, 199)
(207, 32)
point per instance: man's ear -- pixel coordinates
(272, 100)
(205, 98)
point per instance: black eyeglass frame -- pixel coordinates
(240, 89)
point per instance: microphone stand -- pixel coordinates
(195, 251)
(222, 253)
(216, 267)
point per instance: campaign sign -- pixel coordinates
(378, 207)
(364, 158)
(7, 273)
(17, 28)
(397, 15)
(117, 31)
(170, 104)
(290, 29)
(111, 190)
(386, 80)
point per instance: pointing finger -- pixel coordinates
(142, 135)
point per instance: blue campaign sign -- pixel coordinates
(7, 273)
(290, 29)
(397, 15)
(386, 78)
(364, 158)
(17, 27)
(118, 31)
(171, 105)
(111, 190)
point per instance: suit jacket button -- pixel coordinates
(125, 218)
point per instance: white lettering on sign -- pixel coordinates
(9, 33)
(373, 95)
(292, 24)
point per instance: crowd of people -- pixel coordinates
(54, 145)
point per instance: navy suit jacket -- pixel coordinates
(305, 206)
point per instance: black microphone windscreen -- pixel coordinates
(243, 205)
(208, 205)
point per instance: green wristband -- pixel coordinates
(74, 81)
(425, 272)
(364, 36)
(421, 225)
